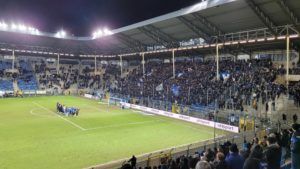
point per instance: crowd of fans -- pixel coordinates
(70, 74)
(241, 83)
(271, 152)
(48, 77)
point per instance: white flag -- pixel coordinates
(159, 87)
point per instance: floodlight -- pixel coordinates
(106, 31)
(3, 26)
(61, 34)
(294, 36)
(37, 32)
(281, 37)
(13, 26)
(22, 28)
(101, 32)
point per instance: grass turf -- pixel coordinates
(33, 136)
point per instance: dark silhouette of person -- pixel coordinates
(133, 161)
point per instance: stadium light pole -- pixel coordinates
(57, 65)
(173, 58)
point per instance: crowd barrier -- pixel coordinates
(25, 92)
(154, 158)
(217, 125)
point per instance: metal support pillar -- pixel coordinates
(121, 65)
(217, 60)
(95, 65)
(13, 62)
(287, 61)
(57, 65)
(143, 63)
(173, 59)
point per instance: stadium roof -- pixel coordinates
(214, 21)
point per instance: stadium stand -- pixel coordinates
(194, 80)
(257, 85)
(26, 80)
(6, 85)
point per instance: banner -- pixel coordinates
(220, 126)
(89, 96)
(41, 92)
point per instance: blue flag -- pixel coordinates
(175, 89)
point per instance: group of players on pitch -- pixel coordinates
(67, 111)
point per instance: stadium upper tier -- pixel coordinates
(207, 22)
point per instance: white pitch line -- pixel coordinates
(74, 124)
(137, 111)
(103, 103)
(95, 108)
(100, 110)
(39, 115)
(126, 124)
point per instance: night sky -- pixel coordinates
(82, 17)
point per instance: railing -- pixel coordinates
(203, 112)
(154, 158)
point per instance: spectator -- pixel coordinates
(203, 165)
(133, 162)
(220, 163)
(173, 165)
(184, 163)
(254, 160)
(295, 146)
(284, 145)
(263, 143)
(234, 160)
(273, 153)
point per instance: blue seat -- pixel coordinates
(27, 80)
(6, 85)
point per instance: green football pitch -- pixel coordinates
(33, 136)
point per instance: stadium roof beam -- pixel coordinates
(162, 34)
(284, 6)
(131, 43)
(159, 36)
(262, 16)
(196, 29)
(211, 26)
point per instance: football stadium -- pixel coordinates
(203, 84)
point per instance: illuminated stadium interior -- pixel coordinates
(212, 85)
